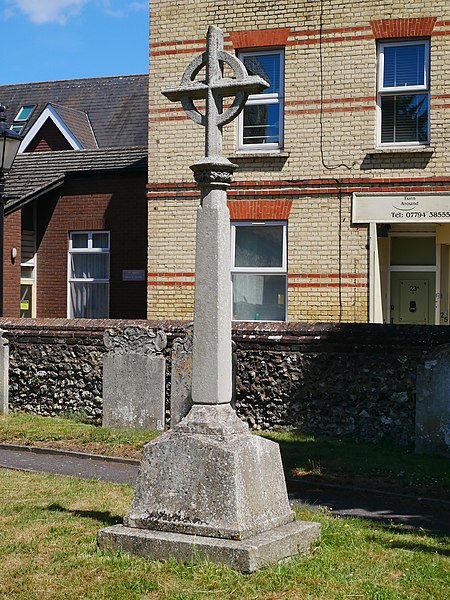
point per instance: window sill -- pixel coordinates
(402, 150)
(261, 154)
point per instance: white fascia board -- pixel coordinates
(50, 113)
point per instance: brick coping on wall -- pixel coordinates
(79, 326)
(351, 337)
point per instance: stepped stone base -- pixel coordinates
(248, 555)
(210, 477)
(210, 489)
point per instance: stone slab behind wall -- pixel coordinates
(433, 404)
(134, 374)
(181, 377)
(133, 391)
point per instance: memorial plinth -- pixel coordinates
(209, 488)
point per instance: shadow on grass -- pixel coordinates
(104, 517)
(346, 458)
(415, 545)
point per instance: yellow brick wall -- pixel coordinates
(171, 258)
(327, 263)
(330, 131)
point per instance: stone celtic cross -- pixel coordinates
(208, 487)
(211, 372)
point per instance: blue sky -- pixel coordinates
(47, 40)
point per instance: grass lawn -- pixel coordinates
(69, 434)
(48, 550)
(327, 459)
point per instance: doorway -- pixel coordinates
(413, 280)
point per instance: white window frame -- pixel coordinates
(89, 250)
(32, 265)
(255, 99)
(383, 91)
(20, 122)
(22, 109)
(281, 270)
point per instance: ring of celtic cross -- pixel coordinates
(199, 91)
(215, 86)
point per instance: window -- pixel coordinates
(25, 112)
(259, 270)
(403, 93)
(260, 125)
(22, 117)
(89, 274)
(28, 261)
(27, 271)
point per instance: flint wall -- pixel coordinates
(354, 380)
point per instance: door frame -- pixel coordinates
(416, 268)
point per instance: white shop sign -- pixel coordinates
(401, 208)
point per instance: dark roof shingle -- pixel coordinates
(79, 125)
(115, 106)
(36, 172)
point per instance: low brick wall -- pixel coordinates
(326, 379)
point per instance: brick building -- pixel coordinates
(75, 242)
(340, 206)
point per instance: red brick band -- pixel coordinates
(171, 283)
(260, 38)
(401, 28)
(279, 191)
(326, 275)
(170, 274)
(266, 210)
(378, 29)
(170, 280)
(327, 285)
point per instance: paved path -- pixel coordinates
(74, 464)
(431, 515)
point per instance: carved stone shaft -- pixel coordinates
(211, 369)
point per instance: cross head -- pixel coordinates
(214, 88)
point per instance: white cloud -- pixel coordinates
(49, 11)
(110, 9)
(138, 6)
(59, 11)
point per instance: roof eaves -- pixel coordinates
(30, 196)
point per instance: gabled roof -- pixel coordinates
(74, 126)
(114, 108)
(35, 173)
